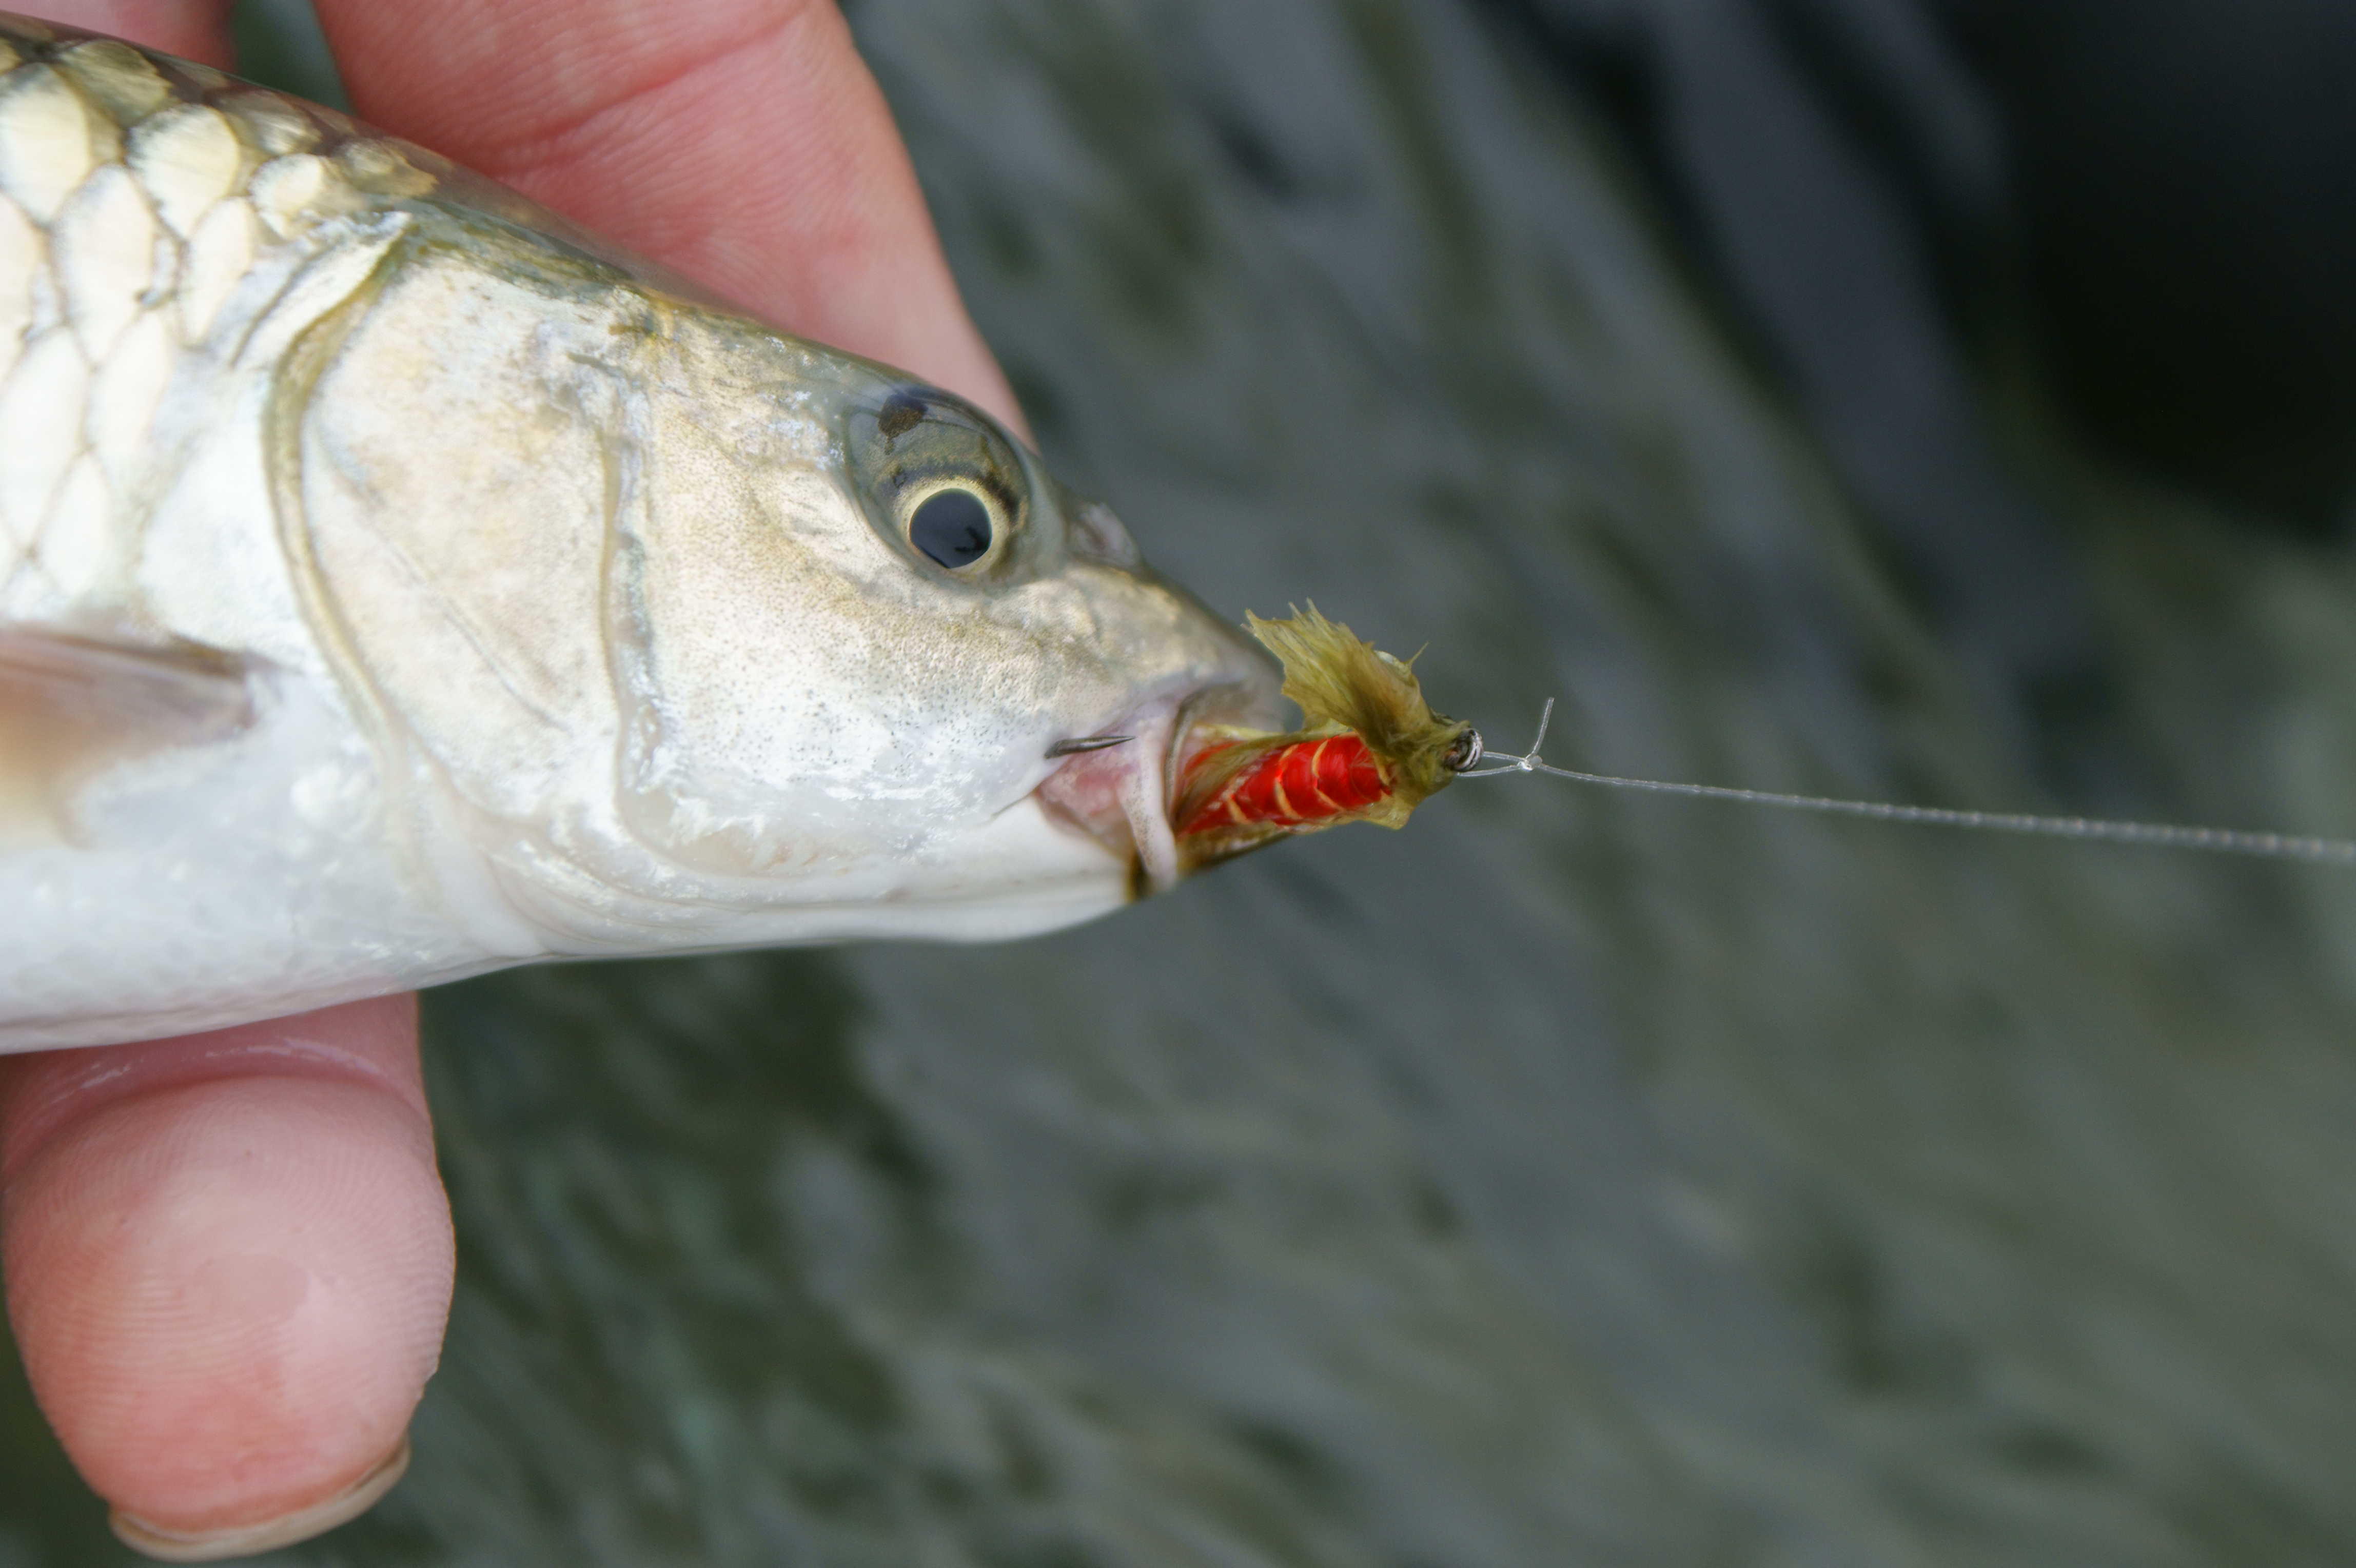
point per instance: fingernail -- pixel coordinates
(167, 1545)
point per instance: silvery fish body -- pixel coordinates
(393, 585)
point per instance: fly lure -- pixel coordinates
(1371, 749)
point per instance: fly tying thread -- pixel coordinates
(2155, 835)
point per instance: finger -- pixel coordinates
(742, 141)
(193, 29)
(228, 1260)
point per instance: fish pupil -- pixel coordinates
(952, 526)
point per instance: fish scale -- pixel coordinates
(134, 195)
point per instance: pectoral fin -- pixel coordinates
(71, 705)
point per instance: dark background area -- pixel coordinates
(2185, 180)
(2156, 198)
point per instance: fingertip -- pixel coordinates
(228, 1281)
(168, 1545)
(193, 29)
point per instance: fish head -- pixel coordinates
(881, 676)
(704, 634)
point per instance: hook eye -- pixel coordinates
(1465, 752)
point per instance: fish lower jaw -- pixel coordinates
(1120, 796)
(1125, 797)
(1145, 802)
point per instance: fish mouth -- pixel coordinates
(1123, 794)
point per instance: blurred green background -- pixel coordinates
(1571, 1179)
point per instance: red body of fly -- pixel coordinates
(1305, 782)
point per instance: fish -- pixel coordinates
(397, 584)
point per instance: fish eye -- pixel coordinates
(954, 525)
(938, 480)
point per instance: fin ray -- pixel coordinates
(73, 705)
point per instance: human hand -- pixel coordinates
(227, 1256)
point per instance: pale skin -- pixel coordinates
(227, 1256)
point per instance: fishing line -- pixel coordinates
(2155, 835)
